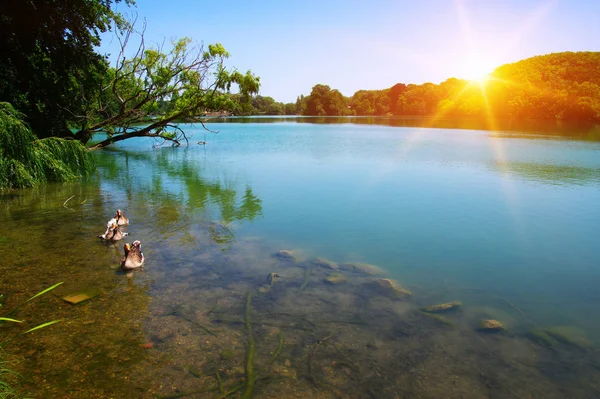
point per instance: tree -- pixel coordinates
(192, 80)
(48, 59)
(323, 101)
(26, 161)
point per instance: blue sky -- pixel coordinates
(352, 45)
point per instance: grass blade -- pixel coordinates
(13, 320)
(41, 326)
(44, 291)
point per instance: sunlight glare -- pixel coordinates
(476, 69)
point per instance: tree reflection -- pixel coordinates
(172, 180)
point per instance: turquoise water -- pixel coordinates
(507, 223)
(516, 216)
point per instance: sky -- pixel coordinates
(354, 45)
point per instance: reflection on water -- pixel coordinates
(552, 174)
(582, 130)
(504, 226)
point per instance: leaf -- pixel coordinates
(43, 292)
(13, 320)
(41, 326)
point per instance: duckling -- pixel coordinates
(121, 219)
(113, 233)
(134, 258)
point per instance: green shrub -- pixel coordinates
(26, 161)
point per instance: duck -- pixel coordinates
(113, 232)
(120, 218)
(134, 258)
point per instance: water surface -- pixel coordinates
(506, 223)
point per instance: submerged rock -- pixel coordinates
(263, 289)
(286, 255)
(391, 288)
(79, 297)
(324, 263)
(364, 268)
(272, 278)
(442, 307)
(335, 279)
(540, 337)
(569, 335)
(491, 326)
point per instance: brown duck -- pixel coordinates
(134, 258)
(121, 219)
(112, 233)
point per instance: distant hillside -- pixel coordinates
(562, 86)
(559, 85)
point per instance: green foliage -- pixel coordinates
(6, 391)
(160, 87)
(49, 69)
(562, 86)
(324, 101)
(26, 161)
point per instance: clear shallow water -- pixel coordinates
(506, 224)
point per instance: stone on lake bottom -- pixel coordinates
(285, 254)
(491, 326)
(442, 307)
(569, 335)
(364, 268)
(391, 288)
(78, 297)
(324, 263)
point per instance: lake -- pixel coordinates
(267, 251)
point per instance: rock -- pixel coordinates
(79, 297)
(272, 278)
(391, 288)
(491, 326)
(364, 268)
(539, 336)
(324, 263)
(335, 279)
(286, 255)
(442, 307)
(569, 335)
(263, 289)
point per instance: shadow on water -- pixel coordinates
(214, 315)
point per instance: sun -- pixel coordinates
(477, 69)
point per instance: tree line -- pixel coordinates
(561, 86)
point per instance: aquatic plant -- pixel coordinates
(6, 391)
(26, 161)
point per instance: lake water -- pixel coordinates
(506, 223)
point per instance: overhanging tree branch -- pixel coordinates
(161, 88)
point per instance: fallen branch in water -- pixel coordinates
(314, 352)
(68, 199)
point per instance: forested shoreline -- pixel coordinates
(558, 86)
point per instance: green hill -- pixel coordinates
(563, 86)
